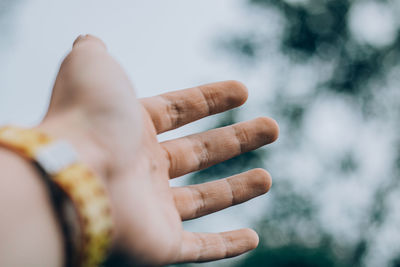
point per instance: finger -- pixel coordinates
(198, 200)
(172, 110)
(200, 247)
(199, 151)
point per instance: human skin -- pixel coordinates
(94, 107)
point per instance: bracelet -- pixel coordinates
(82, 187)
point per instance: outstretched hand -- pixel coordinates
(94, 106)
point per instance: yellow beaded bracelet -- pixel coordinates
(88, 195)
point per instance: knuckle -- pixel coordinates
(174, 110)
(242, 137)
(199, 203)
(210, 97)
(235, 191)
(202, 152)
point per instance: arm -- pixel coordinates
(30, 234)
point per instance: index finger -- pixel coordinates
(172, 110)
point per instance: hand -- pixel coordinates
(94, 106)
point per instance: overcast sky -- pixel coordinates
(163, 45)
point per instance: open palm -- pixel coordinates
(94, 106)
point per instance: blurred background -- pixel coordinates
(327, 70)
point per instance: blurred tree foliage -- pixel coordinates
(319, 28)
(315, 31)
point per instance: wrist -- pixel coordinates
(71, 127)
(68, 175)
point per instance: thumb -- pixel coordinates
(89, 74)
(85, 69)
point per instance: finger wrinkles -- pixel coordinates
(225, 247)
(199, 201)
(209, 199)
(174, 110)
(242, 137)
(201, 151)
(216, 246)
(211, 149)
(202, 246)
(170, 158)
(237, 190)
(229, 249)
(210, 100)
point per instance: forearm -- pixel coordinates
(30, 234)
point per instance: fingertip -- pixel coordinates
(241, 93)
(252, 237)
(276, 129)
(263, 179)
(271, 129)
(88, 39)
(78, 39)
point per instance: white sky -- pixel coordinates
(163, 45)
